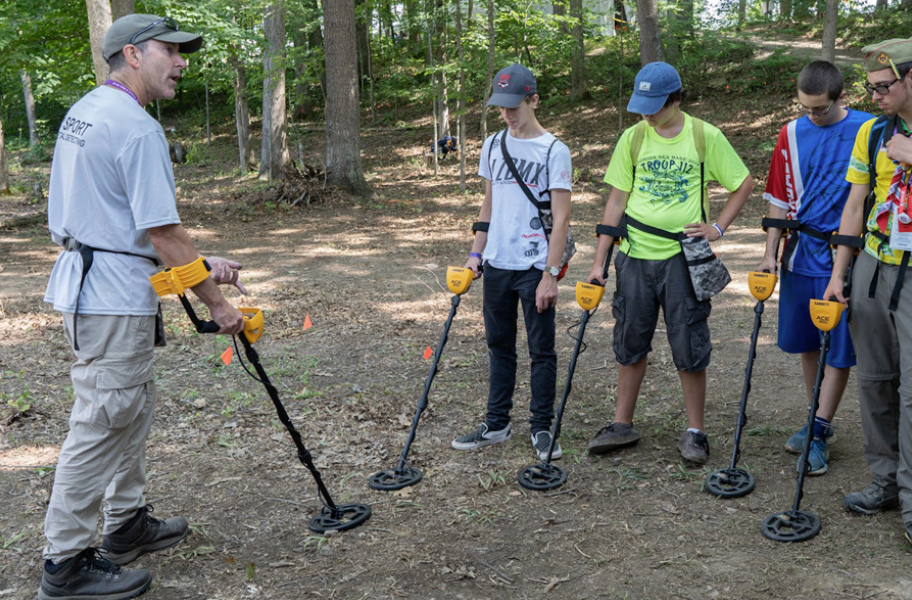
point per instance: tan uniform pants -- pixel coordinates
(103, 457)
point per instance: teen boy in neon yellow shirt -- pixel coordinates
(664, 192)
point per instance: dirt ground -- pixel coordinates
(369, 274)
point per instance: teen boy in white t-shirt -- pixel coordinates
(522, 260)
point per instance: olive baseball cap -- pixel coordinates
(887, 54)
(133, 29)
(511, 85)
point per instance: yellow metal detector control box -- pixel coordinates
(253, 323)
(588, 295)
(826, 315)
(459, 279)
(761, 284)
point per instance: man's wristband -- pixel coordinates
(719, 229)
(475, 255)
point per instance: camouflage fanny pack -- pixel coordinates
(707, 272)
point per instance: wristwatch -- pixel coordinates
(553, 271)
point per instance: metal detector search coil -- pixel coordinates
(332, 517)
(735, 482)
(794, 524)
(404, 475)
(588, 295)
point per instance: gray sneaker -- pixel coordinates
(481, 437)
(694, 447)
(88, 576)
(872, 499)
(143, 534)
(541, 441)
(612, 437)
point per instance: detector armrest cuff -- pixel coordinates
(175, 280)
(480, 226)
(852, 241)
(618, 233)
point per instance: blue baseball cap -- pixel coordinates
(511, 85)
(651, 88)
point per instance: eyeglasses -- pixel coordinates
(168, 22)
(883, 89)
(817, 112)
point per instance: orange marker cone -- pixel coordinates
(428, 353)
(227, 355)
(307, 323)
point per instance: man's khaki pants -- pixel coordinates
(103, 456)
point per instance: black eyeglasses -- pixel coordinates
(168, 22)
(817, 112)
(883, 89)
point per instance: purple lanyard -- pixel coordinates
(122, 88)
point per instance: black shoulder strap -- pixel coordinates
(515, 172)
(881, 133)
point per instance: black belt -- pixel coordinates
(88, 258)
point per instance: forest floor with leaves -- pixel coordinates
(369, 274)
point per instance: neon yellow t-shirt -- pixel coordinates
(666, 193)
(858, 173)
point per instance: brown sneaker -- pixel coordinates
(694, 447)
(612, 437)
(143, 534)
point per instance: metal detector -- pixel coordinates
(458, 281)
(796, 525)
(734, 482)
(546, 476)
(332, 517)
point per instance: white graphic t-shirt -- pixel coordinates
(516, 239)
(111, 181)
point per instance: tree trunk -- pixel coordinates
(785, 10)
(122, 8)
(688, 18)
(742, 14)
(579, 86)
(99, 22)
(880, 6)
(490, 81)
(275, 143)
(460, 103)
(559, 9)
(343, 149)
(361, 33)
(30, 109)
(4, 168)
(242, 114)
(650, 37)
(829, 31)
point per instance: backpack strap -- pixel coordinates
(699, 136)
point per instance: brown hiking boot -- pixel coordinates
(612, 437)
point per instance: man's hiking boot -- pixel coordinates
(541, 441)
(612, 437)
(89, 576)
(143, 534)
(795, 444)
(872, 499)
(694, 447)
(818, 457)
(481, 437)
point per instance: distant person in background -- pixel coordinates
(445, 145)
(806, 183)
